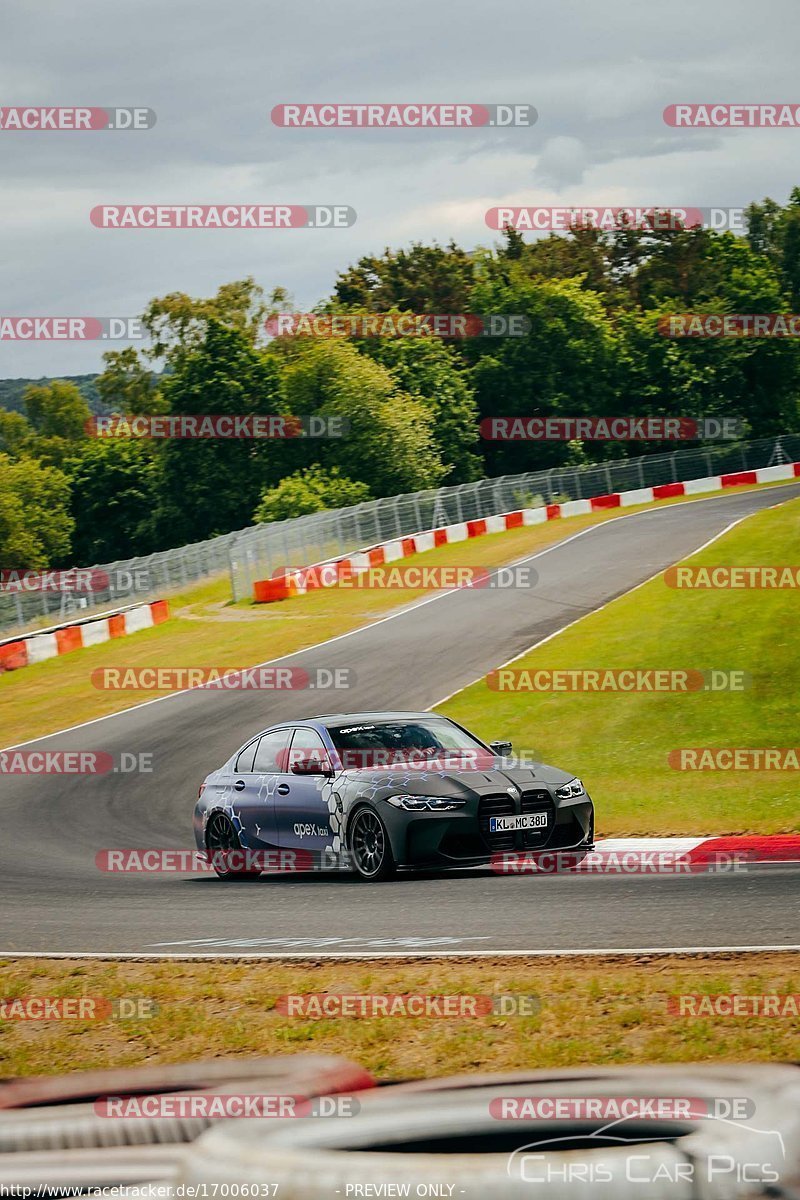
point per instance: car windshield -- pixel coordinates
(385, 743)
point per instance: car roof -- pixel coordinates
(333, 720)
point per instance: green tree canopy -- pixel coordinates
(309, 491)
(35, 523)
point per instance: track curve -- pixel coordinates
(53, 899)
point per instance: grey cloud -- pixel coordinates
(599, 75)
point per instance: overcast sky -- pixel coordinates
(599, 75)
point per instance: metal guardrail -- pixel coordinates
(256, 552)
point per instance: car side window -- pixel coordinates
(244, 763)
(271, 755)
(307, 744)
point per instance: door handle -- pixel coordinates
(283, 789)
(239, 785)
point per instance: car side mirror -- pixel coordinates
(501, 749)
(311, 766)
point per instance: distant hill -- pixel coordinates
(11, 391)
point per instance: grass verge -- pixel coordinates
(601, 1011)
(619, 743)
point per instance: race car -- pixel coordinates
(380, 792)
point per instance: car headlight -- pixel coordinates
(425, 803)
(571, 789)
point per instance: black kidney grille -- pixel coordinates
(496, 806)
(534, 801)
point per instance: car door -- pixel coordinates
(235, 788)
(301, 805)
(255, 779)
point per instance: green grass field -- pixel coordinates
(619, 743)
(606, 1011)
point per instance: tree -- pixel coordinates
(584, 256)
(114, 493)
(128, 385)
(35, 524)
(15, 434)
(432, 279)
(390, 442)
(57, 409)
(179, 323)
(209, 486)
(563, 367)
(775, 232)
(59, 415)
(309, 491)
(755, 380)
(430, 371)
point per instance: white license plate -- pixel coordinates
(509, 824)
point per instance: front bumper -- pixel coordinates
(462, 837)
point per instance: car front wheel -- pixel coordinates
(370, 848)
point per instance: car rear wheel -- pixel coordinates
(224, 848)
(370, 848)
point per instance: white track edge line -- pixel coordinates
(431, 954)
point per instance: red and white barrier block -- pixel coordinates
(51, 643)
(328, 574)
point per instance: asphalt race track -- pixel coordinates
(53, 898)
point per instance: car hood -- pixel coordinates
(455, 782)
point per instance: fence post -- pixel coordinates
(398, 528)
(417, 512)
(232, 569)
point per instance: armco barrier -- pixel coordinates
(329, 573)
(63, 639)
